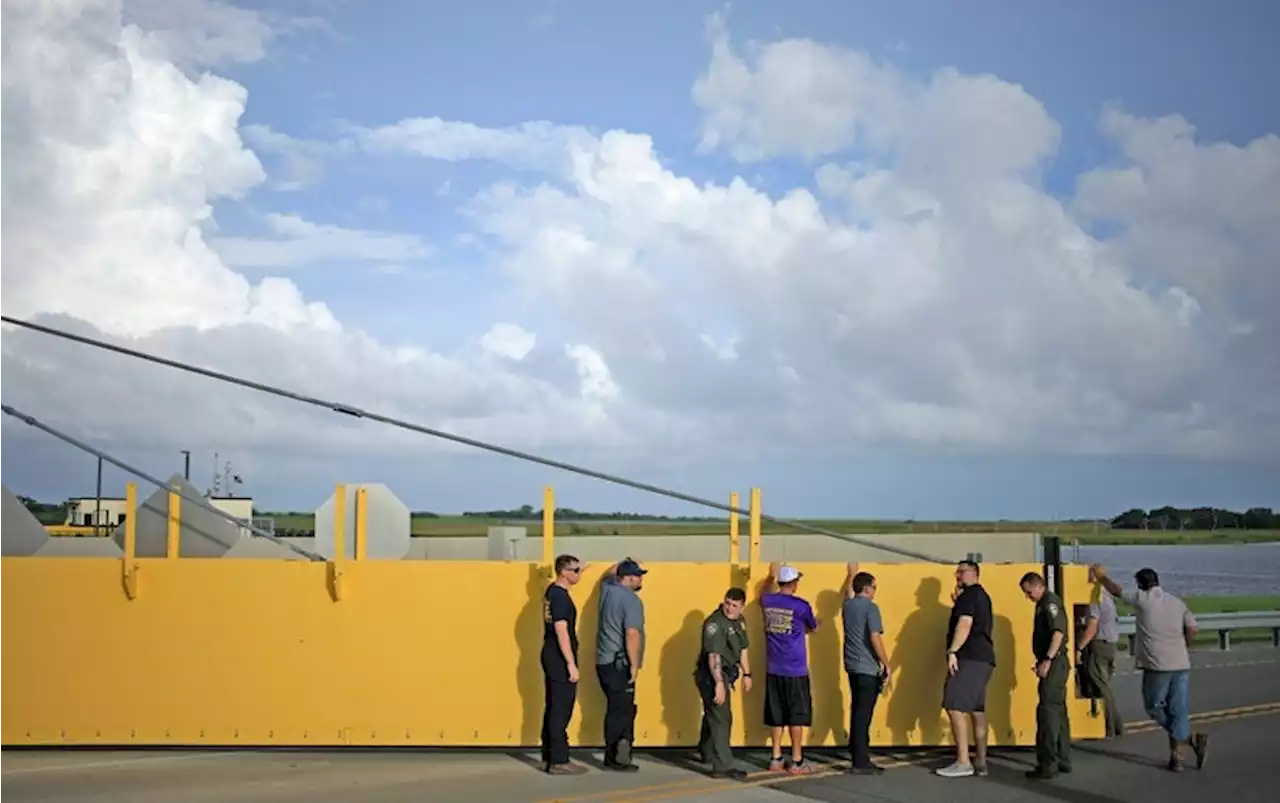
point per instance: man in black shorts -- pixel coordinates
(971, 658)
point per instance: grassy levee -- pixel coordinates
(1084, 532)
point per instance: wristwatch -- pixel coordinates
(746, 674)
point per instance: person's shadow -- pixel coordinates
(826, 662)
(528, 636)
(1004, 679)
(681, 704)
(915, 702)
(591, 701)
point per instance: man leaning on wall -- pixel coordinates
(866, 662)
(971, 659)
(1163, 627)
(1096, 652)
(619, 655)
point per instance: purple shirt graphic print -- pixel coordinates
(786, 620)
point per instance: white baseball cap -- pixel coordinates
(787, 574)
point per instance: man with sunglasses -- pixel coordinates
(560, 666)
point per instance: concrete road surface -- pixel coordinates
(1235, 697)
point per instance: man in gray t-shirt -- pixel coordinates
(865, 661)
(620, 646)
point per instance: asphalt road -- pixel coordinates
(1230, 693)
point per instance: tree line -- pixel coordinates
(1196, 518)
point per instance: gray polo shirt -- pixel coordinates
(1104, 610)
(620, 608)
(861, 619)
(1159, 618)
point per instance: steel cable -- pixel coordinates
(356, 412)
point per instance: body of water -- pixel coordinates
(1192, 571)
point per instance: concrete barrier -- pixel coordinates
(441, 653)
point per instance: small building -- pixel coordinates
(113, 510)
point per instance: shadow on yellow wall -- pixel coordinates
(248, 652)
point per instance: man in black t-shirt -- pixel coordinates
(971, 658)
(560, 666)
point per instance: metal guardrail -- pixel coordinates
(1224, 623)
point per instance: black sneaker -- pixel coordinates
(870, 769)
(1041, 774)
(733, 774)
(618, 766)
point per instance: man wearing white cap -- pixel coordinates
(788, 620)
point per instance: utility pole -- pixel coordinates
(186, 464)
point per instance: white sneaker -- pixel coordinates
(955, 770)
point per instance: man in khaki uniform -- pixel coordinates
(722, 658)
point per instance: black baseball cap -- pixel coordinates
(629, 567)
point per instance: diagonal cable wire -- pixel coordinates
(356, 412)
(194, 498)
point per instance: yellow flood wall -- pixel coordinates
(262, 652)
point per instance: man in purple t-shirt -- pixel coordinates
(788, 620)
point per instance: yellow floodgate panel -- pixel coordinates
(367, 652)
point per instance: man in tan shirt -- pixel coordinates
(1164, 627)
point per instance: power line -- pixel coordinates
(356, 412)
(196, 498)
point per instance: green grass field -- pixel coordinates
(1086, 533)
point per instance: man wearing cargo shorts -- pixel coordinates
(971, 658)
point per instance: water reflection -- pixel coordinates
(1194, 571)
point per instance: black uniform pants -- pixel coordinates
(619, 712)
(559, 698)
(864, 689)
(1053, 729)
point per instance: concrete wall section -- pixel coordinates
(993, 547)
(419, 653)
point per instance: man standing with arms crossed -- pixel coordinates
(1049, 645)
(971, 658)
(1163, 626)
(560, 666)
(723, 655)
(1097, 653)
(619, 656)
(788, 702)
(866, 662)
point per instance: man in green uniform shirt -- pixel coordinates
(1049, 644)
(722, 659)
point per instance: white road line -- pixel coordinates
(121, 762)
(1195, 669)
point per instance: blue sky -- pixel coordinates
(1105, 397)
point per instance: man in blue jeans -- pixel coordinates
(1163, 627)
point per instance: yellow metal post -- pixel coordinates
(548, 526)
(175, 520)
(130, 522)
(734, 554)
(362, 523)
(755, 526)
(130, 541)
(339, 520)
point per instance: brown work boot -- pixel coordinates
(1200, 744)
